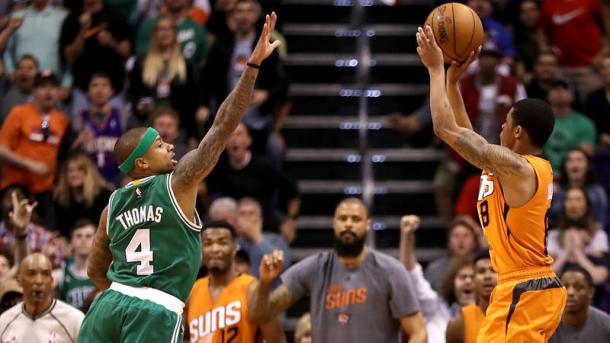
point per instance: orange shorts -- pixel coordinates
(525, 306)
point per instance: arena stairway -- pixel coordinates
(350, 64)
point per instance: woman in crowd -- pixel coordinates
(80, 193)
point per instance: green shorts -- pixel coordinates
(115, 317)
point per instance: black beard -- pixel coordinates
(352, 249)
(217, 271)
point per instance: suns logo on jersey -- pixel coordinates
(487, 186)
(215, 319)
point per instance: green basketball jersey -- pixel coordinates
(152, 243)
(74, 288)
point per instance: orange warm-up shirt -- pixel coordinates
(224, 319)
(473, 318)
(517, 236)
(22, 133)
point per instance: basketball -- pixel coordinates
(457, 29)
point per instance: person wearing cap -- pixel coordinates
(572, 129)
(147, 248)
(40, 317)
(30, 141)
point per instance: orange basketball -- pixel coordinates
(458, 30)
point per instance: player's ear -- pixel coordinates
(141, 163)
(518, 131)
(591, 294)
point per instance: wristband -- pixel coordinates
(252, 65)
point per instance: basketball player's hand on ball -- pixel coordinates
(409, 223)
(271, 266)
(264, 47)
(429, 52)
(457, 69)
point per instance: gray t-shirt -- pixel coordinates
(595, 330)
(363, 304)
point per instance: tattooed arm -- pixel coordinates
(100, 255)
(198, 163)
(516, 175)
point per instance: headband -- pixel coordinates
(147, 140)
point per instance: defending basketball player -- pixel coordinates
(217, 310)
(513, 203)
(147, 248)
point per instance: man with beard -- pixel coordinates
(464, 328)
(217, 308)
(581, 322)
(357, 294)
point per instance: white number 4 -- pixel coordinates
(140, 239)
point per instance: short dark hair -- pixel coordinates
(82, 222)
(28, 57)
(578, 269)
(481, 255)
(243, 256)
(165, 111)
(536, 117)
(100, 75)
(220, 224)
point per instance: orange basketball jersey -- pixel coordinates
(517, 236)
(224, 319)
(473, 318)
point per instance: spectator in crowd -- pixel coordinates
(99, 127)
(53, 318)
(191, 36)
(581, 322)
(462, 242)
(96, 40)
(240, 174)
(38, 36)
(578, 171)
(598, 105)
(11, 294)
(251, 236)
(199, 11)
(465, 326)
(73, 283)
(526, 37)
(564, 24)
(80, 193)
(457, 288)
(30, 140)
(25, 236)
(572, 129)
(167, 122)
(241, 262)
(498, 34)
(302, 332)
(416, 125)
(6, 264)
(224, 208)
(227, 61)
(164, 77)
(578, 240)
(19, 91)
(546, 71)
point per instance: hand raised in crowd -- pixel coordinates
(409, 223)
(15, 22)
(21, 214)
(264, 47)
(271, 266)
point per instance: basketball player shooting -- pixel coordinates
(513, 202)
(147, 249)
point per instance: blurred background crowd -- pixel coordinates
(76, 74)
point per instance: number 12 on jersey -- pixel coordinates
(141, 239)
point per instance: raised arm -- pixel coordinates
(198, 163)
(264, 305)
(100, 256)
(471, 146)
(454, 73)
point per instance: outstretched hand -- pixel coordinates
(264, 47)
(429, 52)
(271, 266)
(21, 213)
(457, 69)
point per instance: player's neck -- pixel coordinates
(222, 280)
(577, 319)
(353, 262)
(523, 148)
